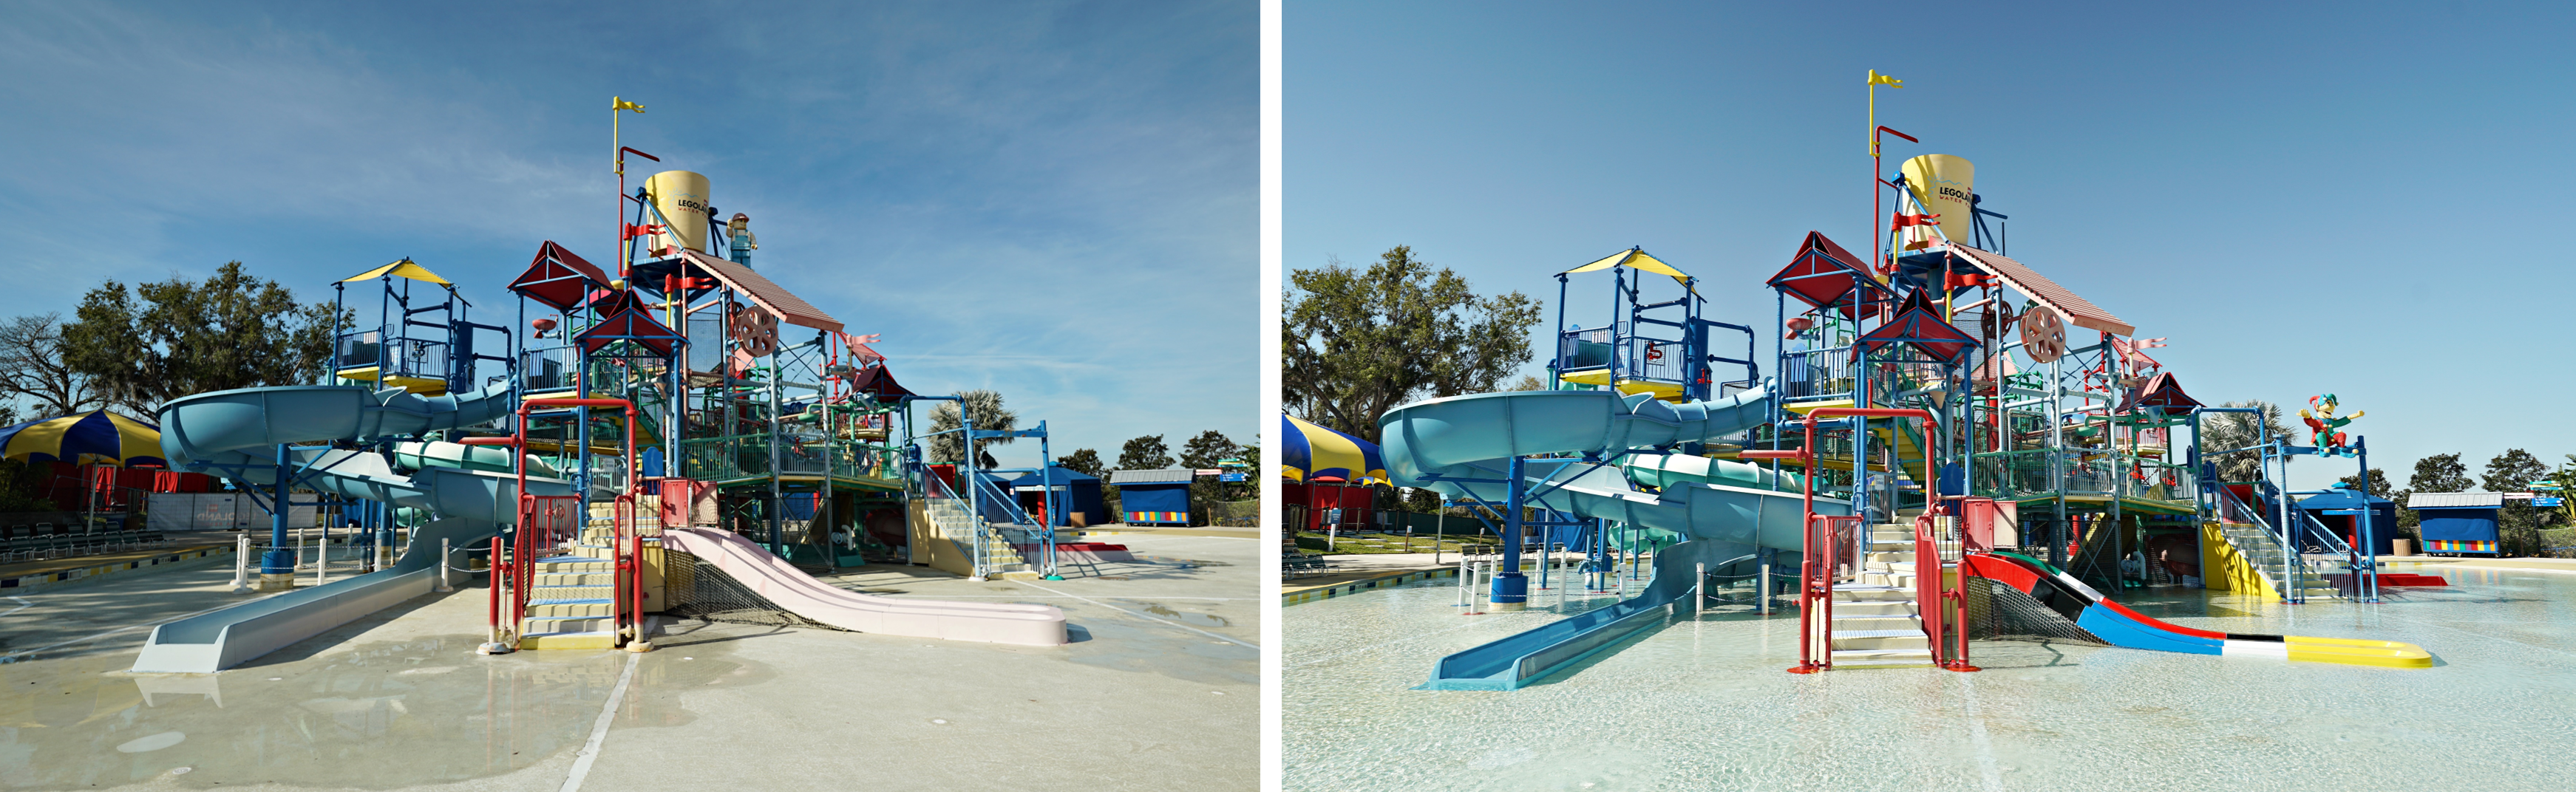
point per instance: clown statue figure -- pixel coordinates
(2326, 428)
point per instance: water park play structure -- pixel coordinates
(629, 440)
(1948, 445)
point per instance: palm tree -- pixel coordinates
(2223, 431)
(986, 407)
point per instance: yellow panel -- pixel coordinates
(2353, 651)
(420, 385)
(2226, 570)
(405, 268)
(1632, 258)
(1803, 408)
(580, 641)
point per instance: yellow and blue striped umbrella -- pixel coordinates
(1308, 453)
(95, 436)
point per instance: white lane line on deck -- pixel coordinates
(94, 636)
(1225, 638)
(23, 604)
(1977, 737)
(599, 728)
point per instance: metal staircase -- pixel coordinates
(2271, 555)
(1877, 620)
(994, 554)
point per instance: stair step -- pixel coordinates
(1879, 639)
(1881, 658)
(1869, 623)
(1916, 633)
(568, 639)
(547, 593)
(575, 609)
(588, 623)
(1866, 608)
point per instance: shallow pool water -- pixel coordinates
(1703, 703)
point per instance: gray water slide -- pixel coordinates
(235, 434)
(1445, 444)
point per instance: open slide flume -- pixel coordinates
(235, 434)
(2032, 590)
(796, 592)
(1463, 446)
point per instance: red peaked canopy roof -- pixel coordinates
(629, 325)
(2162, 393)
(558, 278)
(609, 302)
(880, 381)
(1823, 275)
(1919, 323)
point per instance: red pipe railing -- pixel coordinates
(1815, 574)
(537, 524)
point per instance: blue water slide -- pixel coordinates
(1462, 446)
(235, 434)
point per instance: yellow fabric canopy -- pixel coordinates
(1636, 259)
(405, 268)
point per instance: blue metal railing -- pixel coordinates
(2294, 568)
(2364, 567)
(413, 357)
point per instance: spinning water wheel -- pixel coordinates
(2043, 334)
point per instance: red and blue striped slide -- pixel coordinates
(2097, 617)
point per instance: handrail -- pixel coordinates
(2353, 561)
(1045, 534)
(2291, 562)
(1815, 576)
(1943, 607)
(977, 527)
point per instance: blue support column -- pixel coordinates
(1511, 588)
(278, 561)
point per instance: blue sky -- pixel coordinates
(1056, 200)
(2306, 198)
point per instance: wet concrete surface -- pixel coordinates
(1159, 691)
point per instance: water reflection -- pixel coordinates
(383, 716)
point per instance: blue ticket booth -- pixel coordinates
(2458, 523)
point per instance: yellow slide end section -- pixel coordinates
(2354, 651)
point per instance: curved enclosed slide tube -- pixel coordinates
(794, 591)
(1463, 446)
(235, 434)
(2097, 618)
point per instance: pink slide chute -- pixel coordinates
(788, 587)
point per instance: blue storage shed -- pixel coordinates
(2339, 509)
(1153, 497)
(2458, 522)
(1073, 492)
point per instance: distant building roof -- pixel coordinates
(1058, 475)
(1151, 476)
(2455, 500)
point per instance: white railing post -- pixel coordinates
(1699, 591)
(241, 564)
(443, 560)
(1462, 577)
(1762, 596)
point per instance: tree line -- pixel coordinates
(2523, 529)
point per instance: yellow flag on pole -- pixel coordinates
(617, 103)
(1876, 78)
